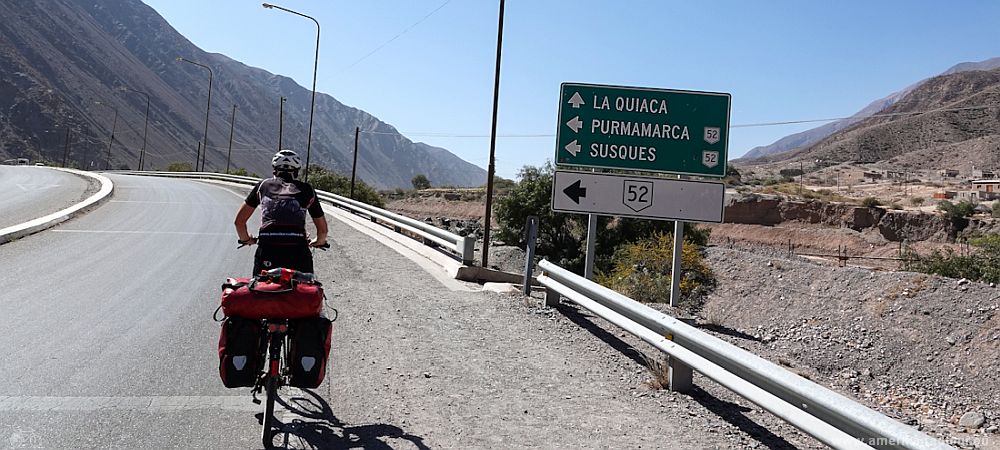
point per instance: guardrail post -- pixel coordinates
(469, 250)
(551, 297)
(679, 375)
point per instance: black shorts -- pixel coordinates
(295, 257)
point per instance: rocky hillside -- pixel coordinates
(809, 137)
(950, 115)
(59, 57)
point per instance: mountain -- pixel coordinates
(59, 57)
(947, 121)
(814, 135)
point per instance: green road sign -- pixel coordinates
(653, 130)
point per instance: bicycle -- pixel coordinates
(275, 372)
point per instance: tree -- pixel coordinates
(420, 182)
(324, 180)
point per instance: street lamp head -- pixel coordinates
(178, 59)
(268, 6)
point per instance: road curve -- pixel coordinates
(30, 192)
(109, 342)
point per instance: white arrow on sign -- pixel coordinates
(576, 100)
(573, 148)
(575, 124)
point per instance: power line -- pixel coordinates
(407, 29)
(747, 125)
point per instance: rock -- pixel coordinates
(972, 420)
(428, 375)
(963, 281)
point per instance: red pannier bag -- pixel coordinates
(267, 299)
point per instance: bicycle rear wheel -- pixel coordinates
(267, 428)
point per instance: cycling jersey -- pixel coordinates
(283, 205)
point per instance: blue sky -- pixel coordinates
(780, 60)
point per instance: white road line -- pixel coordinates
(186, 233)
(164, 203)
(149, 404)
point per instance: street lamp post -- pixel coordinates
(145, 128)
(312, 106)
(202, 156)
(281, 120)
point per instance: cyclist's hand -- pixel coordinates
(319, 244)
(249, 241)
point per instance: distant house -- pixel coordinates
(893, 174)
(983, 174)
(988, 189)
(948, 173)
(872, 175)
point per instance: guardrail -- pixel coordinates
(828, 416)
(462, 247)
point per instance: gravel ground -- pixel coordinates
(922, 349)
(414, 365)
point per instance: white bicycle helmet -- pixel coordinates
(286, 161)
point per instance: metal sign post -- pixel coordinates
(531, 229)
(588, 271)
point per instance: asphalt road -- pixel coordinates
(108, 342)
(31, 192)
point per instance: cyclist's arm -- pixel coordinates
(321, 230)
(242, 216)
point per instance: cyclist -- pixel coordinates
(284, 200)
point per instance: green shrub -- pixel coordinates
(420, 182)
(983, 264)
(916, 201)
(641, 271)
(324, 180)
(180, 167)
(995, 211)
(871, 202)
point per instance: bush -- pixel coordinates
(981, 265)
(420, 182)
(957, 214)
(324, 180)
(916, 201)
(242, 172)
(559, 235)
(641, 271)
(871, 202)
(995, 211)
(180, 167)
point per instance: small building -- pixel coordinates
(872, 175)
(969, 196)
(948, 173)
(988, 189)
(946, 195)
(894, 174)
(983, 174)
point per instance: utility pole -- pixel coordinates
(66, 149)
(232, 126)
(111, 141)
(493, 144)
(354, 167)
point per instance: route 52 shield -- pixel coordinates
(710, 159)
(712, 134)
(637, 195)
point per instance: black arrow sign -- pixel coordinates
(575, 192)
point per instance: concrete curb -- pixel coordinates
(33, 226)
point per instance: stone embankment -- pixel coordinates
(893, 225)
